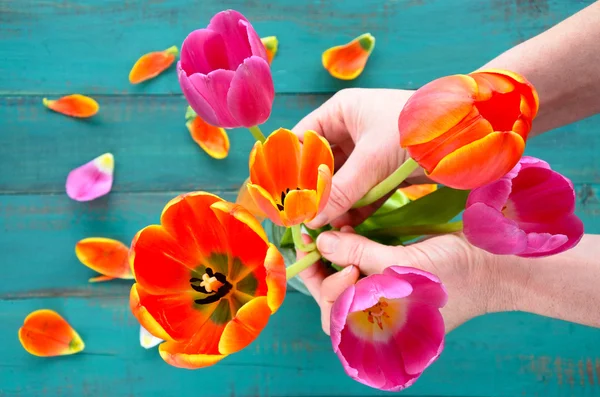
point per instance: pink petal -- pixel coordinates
(197, 102)
(350, 352)
(488, 229)
(235, 29)
(339, 313)
(528, 161)
(91, 180)
(251, 95)
(427, 288)
(202, 52)
(421, 339)
(370, 289)
(569, 227)
(256, 44)
(214, 88)
(493, 194)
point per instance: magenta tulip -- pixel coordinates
(224, 73)
(529, 212)
(387, 329)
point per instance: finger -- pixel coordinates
(313, 276)
(332, 287)
(327, 120)
(351, 249)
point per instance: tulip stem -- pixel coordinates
(388, 184)
(417, 230)
(257, 134)
(302, 264)
(301, 245)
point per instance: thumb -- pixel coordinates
(332, 287)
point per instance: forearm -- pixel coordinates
(563, 64)
(564, 286)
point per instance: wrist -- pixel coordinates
(507, 279)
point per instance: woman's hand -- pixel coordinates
(362, 127)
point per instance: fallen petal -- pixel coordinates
(106, 256)
(91, 180)
(346, 62)
(75, 105)
(271, 45)
(46, 334)
(152, 64)
(213, 140)
(147, 340)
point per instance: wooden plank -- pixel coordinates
(154, 152)
(89, 46)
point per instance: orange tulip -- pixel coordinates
(271, 44)
(414, 192)
(346, 62)
(45, 334)
(75, 105)
(213, 140)
(207, 279)
(106, 256)
(288, 183)
(152, 64)
(245, 200)
(469, 130)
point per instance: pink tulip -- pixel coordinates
(529, 212)
(224, 73)
(387, 329)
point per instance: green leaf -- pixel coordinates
(287, 240)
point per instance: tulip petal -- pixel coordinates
(152, 64)
(144, 317)
(415, 192)
(236, 31)
(75, 105)
(497, 153)
(436, 108)
(265, 202)
(339, 313)
(260, 174)
(276, 278)
(213, 140)
(531, 102)
(247, 324)
(173, 354)
(554, 238)
(214, 88)
(271, 45)
(45, 334)
(369, 290)
(487, 228)
(202, 52)
(493, 194)
(245, 200)
(106, 256)
(91, 180)
(300, 206)
(147, 340)
(346, 62)
(251, 95)
(196, 101)
(427, 287)
(282, 157)
(323, 186)
(315, 152)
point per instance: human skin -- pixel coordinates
(562, 63)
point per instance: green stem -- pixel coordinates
(302, 264)
(388, 184)
(301, 245)
(417, 230)
(257, 134)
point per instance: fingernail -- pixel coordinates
(319, 220)
(347, 270)
(327, 243)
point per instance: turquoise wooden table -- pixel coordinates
(51, 48)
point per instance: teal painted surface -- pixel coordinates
(56, 47)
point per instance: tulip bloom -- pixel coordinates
(415, 192)
(75, 105)
(106, 256)
(271, 44)
(289, 183)
(207, 279)
(224, 73)
(152, 64)
(529, 213)
(346, 62)
(46, 334)
(469, 130)
(387, 329)
(91, 180)
(213, 140)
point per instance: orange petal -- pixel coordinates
(414, 192)
(145, 318)
(152, 64)
(247, 324)
(436, 108)
(276, 279)
(480, 162)
(282, 156)
(315, 151)
(259, 170)
(346, 62)
(264, 201)
(528, 91)
(75, 105)
(323, 186)
(106, 256)
(45, 334)
(213, 140)
(241, 214)
(300, 206)
(173, 354)
(245, 200)
(271, 44)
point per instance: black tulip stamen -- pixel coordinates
(283, 195)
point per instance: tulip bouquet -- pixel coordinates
(208, 278)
